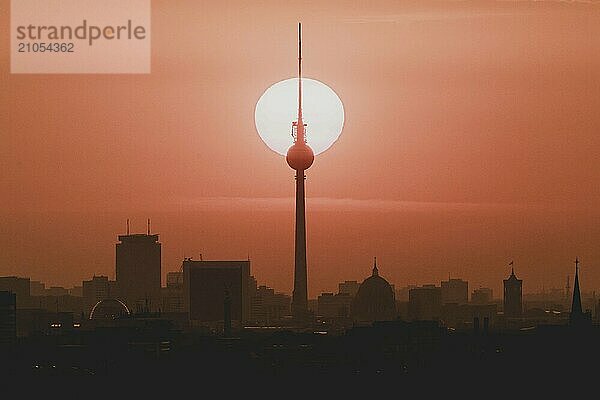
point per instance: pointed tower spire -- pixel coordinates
(375, 270)
(576, 310)
(299, 156)
(300, 133)
(513, 294)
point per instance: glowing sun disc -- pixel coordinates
(322, 110)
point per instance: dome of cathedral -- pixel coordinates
(375, 300)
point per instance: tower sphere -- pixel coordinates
(300, 156)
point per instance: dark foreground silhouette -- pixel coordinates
(395, 349)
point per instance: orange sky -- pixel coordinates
(472, 137)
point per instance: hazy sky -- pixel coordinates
(472, 138)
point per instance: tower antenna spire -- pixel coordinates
(299, 71)
(300, 137)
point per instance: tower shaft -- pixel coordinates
(300, 293)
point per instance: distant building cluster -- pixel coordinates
(194, 297)
(449, 304)
(216, 295)
(212, 318)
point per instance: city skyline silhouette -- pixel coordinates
(452, 228)
(209, 310)
(470, 146)
(506, 269)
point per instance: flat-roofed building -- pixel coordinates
(206, 284)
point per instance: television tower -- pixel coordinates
(300, 157)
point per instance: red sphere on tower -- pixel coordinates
(300, 156)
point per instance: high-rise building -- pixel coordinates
(513, 296)
(455, 291)
(425, 303)
(8, 317)
(205, 285)
(138, 270)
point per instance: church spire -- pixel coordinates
(576, 310)
(375, 270)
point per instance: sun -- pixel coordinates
(322, 109)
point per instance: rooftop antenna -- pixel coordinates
(148, 226)
(127, 226)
